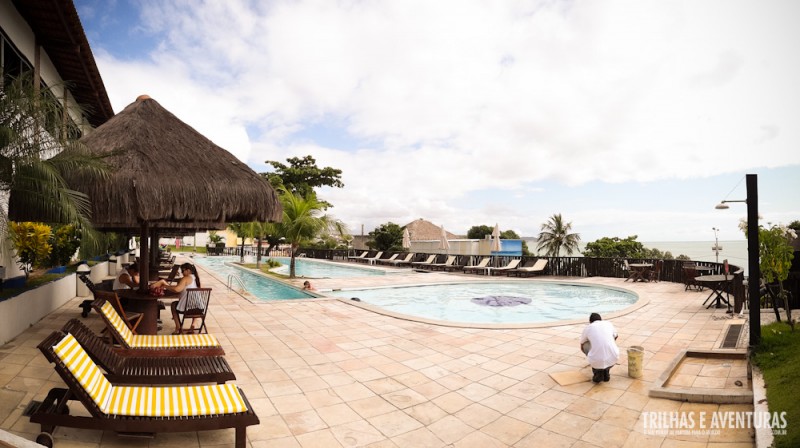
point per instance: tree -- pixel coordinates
(555, 235)
(614, 247)
(479, 232)
(302, 176)
(302, 221)
(386, 237)
(775, 255)
(38, 144)
(242, 230)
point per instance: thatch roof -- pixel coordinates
(421, 229)
(167, 174)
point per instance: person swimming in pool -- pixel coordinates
(307, 286)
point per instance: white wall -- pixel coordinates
(20, 312)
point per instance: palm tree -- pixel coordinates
(555, 235)
(242, 230)
(302, 221)
(37, 146)
(265, 231)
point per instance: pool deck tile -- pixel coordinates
(323, 373)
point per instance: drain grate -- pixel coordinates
(731, 338)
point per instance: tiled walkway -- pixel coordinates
(323, 373)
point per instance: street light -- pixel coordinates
(754, 272)
(716, 247)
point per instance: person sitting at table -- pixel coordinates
(128, 278)
(189, 280)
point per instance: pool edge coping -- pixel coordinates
(640, 302)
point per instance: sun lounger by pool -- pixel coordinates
(126, 367)
(421, 264)
(371, 260)
(134, 410)
(357, 257)
(482, 266)
(511, 265)
(407, 260)
(537, 268)
(157, 345)
(449, 262)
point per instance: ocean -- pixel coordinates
(734, 251)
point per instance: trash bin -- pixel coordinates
(82, 289)
(635, 361)
(112, 266)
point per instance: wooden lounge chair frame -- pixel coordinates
(421, 264)
(181, 351)
(482, 265)
(357, 257)
(123, 367)
(408, 260)
(54, 411)
(509, 266)
(372, 259)
(447, 263)
(132, 319)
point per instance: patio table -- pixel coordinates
(638, 270)
(718, 284)
(145, 304)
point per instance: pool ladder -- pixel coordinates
(233, 278)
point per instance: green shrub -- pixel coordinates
(32, 242)
(65, 241)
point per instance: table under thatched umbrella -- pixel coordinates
(166, 175)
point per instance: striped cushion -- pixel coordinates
(84, 369)
(184, 401)
(117, 322)
(173, 341)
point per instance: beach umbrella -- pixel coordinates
(496, 244)
(443, 243)
(406, 239)
(168, 178)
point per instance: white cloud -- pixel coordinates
(449, 98)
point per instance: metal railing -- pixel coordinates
(231, 278)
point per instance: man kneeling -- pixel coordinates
(603, 352)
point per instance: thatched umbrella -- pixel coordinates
(166, 175)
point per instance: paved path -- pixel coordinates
(323, 373)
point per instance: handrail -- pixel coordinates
(238, 279)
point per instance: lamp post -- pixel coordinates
(716, 247)
(754, 271)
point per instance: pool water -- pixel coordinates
(304, 267)
(257, 285)
(453, 302)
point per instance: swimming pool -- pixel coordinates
(549, 301)
(259, 286)
(304, 267)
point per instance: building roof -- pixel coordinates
(58, 29)
(421, 229)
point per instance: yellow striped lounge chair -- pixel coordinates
(134, 410)
(158, 344)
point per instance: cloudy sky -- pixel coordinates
(627, 117)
